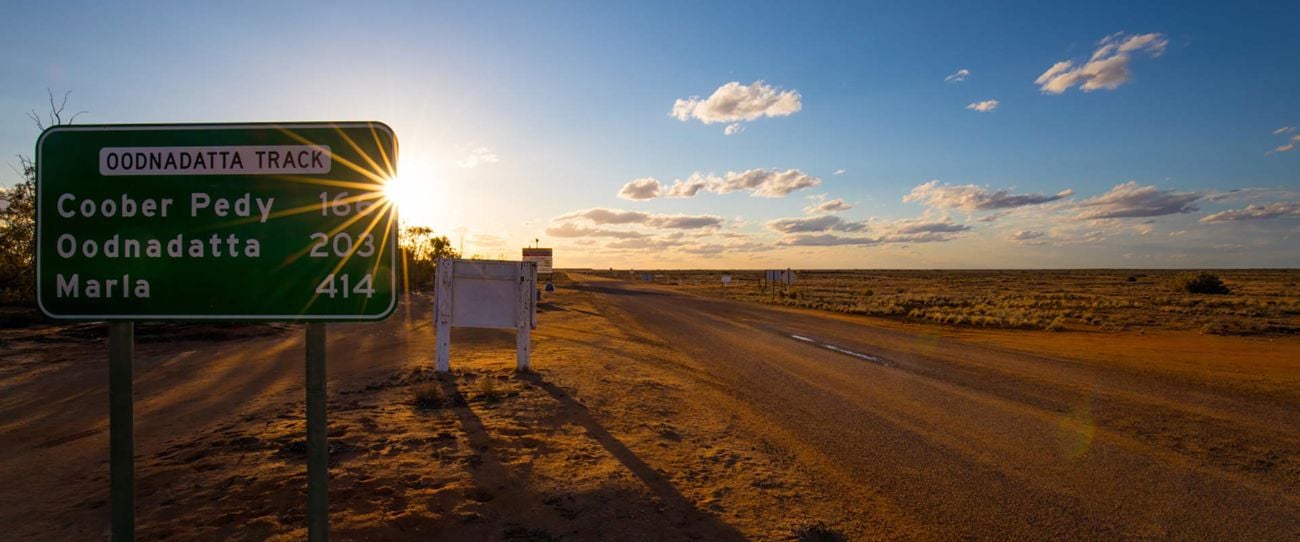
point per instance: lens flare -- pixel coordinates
(412, 192)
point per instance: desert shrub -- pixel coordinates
(1200, 283)
(487, 389)
(429, 396)
(817, 532)
(17, 240)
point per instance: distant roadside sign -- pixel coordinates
(216, 221)
(779, 276)
(726, 279)
(542, 256)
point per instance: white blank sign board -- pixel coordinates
(485, 294)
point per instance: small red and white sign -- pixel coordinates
(543, 257)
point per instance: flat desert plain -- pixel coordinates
(851, 406)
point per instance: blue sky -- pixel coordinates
(565, 103)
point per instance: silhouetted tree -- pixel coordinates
(18, 216)
(17, 237)
(421, 249)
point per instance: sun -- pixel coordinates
(413, 192)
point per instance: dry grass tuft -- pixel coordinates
(488, 391)
(429, 396)
(817, 532)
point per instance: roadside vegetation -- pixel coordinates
(1231, 302)
(421, 249)
(17, 234)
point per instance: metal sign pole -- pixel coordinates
(121, 428)
(317, 448)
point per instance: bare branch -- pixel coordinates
(74, 117)
(37, 119)
(54, 111)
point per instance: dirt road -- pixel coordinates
(954, 440)
(659, 415)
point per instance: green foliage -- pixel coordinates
(18, 218)
(1200, 283)
(17, 239)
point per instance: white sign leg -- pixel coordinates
(524, 316)
(442, 314)
(522, 348)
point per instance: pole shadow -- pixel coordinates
(672, 504)
(702, 523)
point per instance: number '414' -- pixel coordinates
(341, 285)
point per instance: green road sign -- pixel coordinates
(216, 222)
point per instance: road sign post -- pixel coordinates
(121, 428)
(273, 222)
(317, 437)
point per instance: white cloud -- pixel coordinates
(1284, 130)
(602, 216)
(641, 189)
(717, 248)
(957, 77)
(840, 171)
(760, 183)
(684, 222)
(1092, 237)
(984, 106)
(826, 240)
(1257, 212)
(1288, 146)
(1106, 69)
(971, 198)
(923, 229)
(828, 206)
(734, 103)
(569, 229)
(733, 129)
(688, 188)
(766, 183)
(923, 225)
(814, 224)
(471, 158)
(645, 244)
(1025, 235)
(1129, 200)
